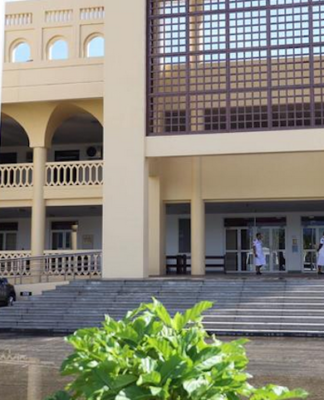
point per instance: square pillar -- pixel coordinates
(294, 244)
(197, 221)
(156, 229)
(125, 210)
(39, 206)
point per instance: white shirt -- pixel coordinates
(259, 257)
(322, 248)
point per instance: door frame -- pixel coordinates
(254, 229)
(317, 228)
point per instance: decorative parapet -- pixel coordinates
(37, 24)
(16, 175)
(92, 13)
(55, 16)
(19, 19)
(74, 173)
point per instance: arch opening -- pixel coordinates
(14, 142)
(58, 50)
(95, 47)
(78, 138)
(21, 52)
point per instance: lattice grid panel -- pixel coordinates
(234, 65)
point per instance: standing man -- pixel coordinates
(259, 258)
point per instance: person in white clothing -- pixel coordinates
(259, 258)
(320, 259)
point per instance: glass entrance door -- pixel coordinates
(238, 248)
(239, 253)
(274, 248)
(311, 238)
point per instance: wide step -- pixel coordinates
(285, 307)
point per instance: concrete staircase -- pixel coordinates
(243, 306)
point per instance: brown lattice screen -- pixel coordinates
(227, 65)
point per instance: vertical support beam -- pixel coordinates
(125, 214)
(197, 221)
(74, 238)
(38, 207)
(156, 228)
(294, 243)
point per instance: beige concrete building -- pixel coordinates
(153, 129)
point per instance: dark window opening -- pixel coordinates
(291, 115)
(175, 121)
(184, 235)
(8, 226)
(215, 119)
(8, 158)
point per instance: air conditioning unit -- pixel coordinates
(94, 153)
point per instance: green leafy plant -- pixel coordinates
(151, 356)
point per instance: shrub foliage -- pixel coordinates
(151, 356)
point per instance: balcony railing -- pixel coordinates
(74, 173)
(61, 265)
(16, 175)
(58, 174)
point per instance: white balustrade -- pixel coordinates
(69, 263)
(19, 19)
(56, 16)
(14, 263)
(16, 175)
(74, 173)
(92, 13)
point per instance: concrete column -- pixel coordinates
(38, 207)
(197, 221)
(125, 212)
(156, 228)
(294, 243)
(75, 237)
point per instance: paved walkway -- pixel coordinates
(29, 365)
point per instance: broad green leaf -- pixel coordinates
(160, 311)
(153, 378)
(178, 322)
(196, 312)
(172, 368)
(272, 392)
(208, 358)
(192, 385)
(148, 364)
(162, 346)
(134, 393)
(122, 381)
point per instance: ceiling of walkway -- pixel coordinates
(12, 134)
(81, 128)
(53, 212)
(250, 207)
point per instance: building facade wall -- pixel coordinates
(265, 166)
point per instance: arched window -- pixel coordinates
(58, 50)
(21, 53)
(95, 47)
